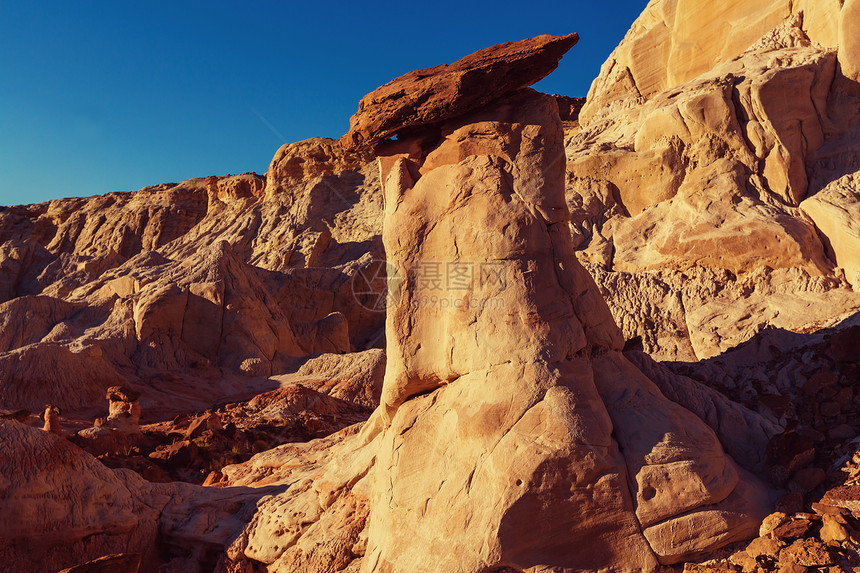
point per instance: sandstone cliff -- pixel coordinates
(710, 173)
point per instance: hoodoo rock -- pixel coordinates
(424, 97)
(123, 408)
(51, 416)
(525, 376)
(512, 432)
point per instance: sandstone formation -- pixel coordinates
(543, 363)
(505, 395)
(724, 192)
(808, 383)
(355, 378)
(211, 282)
(56, 502)
(507, 402)
(120, 430)
(320, 207)
(123, 409)
(674, 41)
(63, 508)
(327, 394)
(51, 415)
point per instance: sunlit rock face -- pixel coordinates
(711, 174)
(497, 339)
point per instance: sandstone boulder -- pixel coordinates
(428, 96)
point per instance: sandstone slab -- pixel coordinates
(431, 95)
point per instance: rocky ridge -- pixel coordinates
(215, 281)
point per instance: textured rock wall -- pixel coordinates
(724, 169)
(199, 281)
(674, 41)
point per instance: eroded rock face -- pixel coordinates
(730, 153)
(296, 163)
(214, 282)
(356, 377)
(63, 506)
(538, 365)
(673, 41)
(424, 97)
(498, 375)
(730, 184)
(204, 316)
(834, 199)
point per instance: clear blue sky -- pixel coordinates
(98, 96)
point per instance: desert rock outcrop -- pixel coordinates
(60, 503)
(64, 508)
(51, 415)
(123, 409)
(206, 281)
(674, 41)
(541, 258)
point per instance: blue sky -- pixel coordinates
(98, 97)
